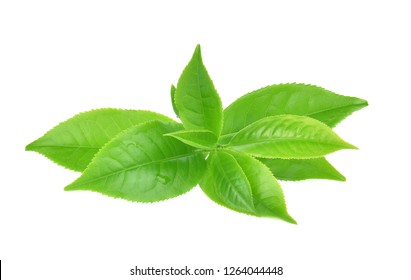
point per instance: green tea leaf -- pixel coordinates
(140, 164)
(226, 183)
(268, 196)
(293, 99)
(288, 136)
(198, 103)
(173, 103)
(230, 173)
(202, 139)
(74, 143)
(302, 169)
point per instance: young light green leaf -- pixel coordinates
(198, 103)
(226, 183)
(140, 164)
(302, 169)
(74, 143)
(294, 99)
(288, 136)
(233, 172)
(202, 139)
(173, 102)
(268, 196)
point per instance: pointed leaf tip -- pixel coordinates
(69, 187)
(302, 169)
(350, 146)
(341, 178)
(74, 186)
(29, 147)
(290, 220)
(33, 146)
(197, 51)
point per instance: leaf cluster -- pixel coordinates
(235, 154)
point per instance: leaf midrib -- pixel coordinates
(247, 181)
(334, 108)
(258, 141)
(201, 92)
(136, 167)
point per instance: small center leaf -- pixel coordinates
(202, 139)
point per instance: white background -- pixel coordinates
(58, 58)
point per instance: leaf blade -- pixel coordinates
(74, 142)
(197, 101)
(288, 136)
(268, 195)
(294, 99)
(302, 169)
(236, 172)
(226, 184)
(142, 165)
